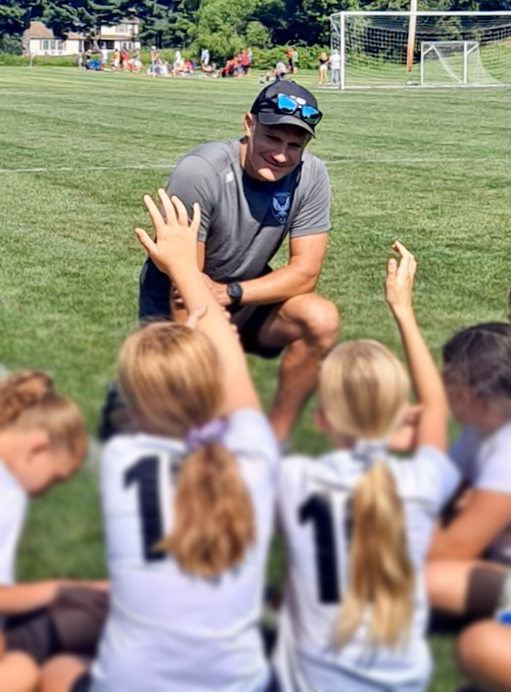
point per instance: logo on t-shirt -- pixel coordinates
(280, 204)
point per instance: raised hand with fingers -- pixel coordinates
(430, 425)
(175, 239)
(399, 280)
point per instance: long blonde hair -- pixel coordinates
(28, 401)
(171, 378)
(362, 389)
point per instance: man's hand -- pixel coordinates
(217, 290)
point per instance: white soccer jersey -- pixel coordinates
(485, 462)
(314, 517)
(168, 631)
(13, 508)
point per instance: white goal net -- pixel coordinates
(422, 49)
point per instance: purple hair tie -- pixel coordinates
(370, 451)
(211, 432)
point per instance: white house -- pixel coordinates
(38, 39)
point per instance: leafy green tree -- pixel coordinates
(86, 16)
(15, 15)
(257, 35)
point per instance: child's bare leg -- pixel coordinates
(483, 656)
(61, 672)
(18, 673)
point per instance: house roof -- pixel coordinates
(116, 37)
(38, 30)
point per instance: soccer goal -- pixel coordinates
(389, 49)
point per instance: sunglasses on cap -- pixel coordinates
(285, 104)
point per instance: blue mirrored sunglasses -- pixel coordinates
(282, 103)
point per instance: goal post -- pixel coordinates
(450, 49)
(453, 63)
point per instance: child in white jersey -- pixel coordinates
(357, 522)
(469, 555)
(42, 441)
(187, 502)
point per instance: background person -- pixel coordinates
(322, 68)
(335, 66)
(255, 192)
(280, 71)
(154, 58)
(294, 61)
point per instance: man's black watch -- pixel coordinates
(235, 292)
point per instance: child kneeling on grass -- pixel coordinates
(187, 501)
(357, 521)
(469, 557)
(42, 442)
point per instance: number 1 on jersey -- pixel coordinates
(318, 509)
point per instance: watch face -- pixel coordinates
(234, 291)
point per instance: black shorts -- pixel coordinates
(34, 633)
(249, 320)
(72, 624)
(83, 683)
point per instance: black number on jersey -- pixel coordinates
(318, 509)
(144, 473)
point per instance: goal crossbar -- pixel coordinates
(421, 13)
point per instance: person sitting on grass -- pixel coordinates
(469, 554)
(42, 442)
(357, 521)
(187, 501)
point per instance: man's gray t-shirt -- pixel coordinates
(243, 221)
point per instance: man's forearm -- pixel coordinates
(277, 286)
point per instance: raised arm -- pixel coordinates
(427, 384)
(174, 251)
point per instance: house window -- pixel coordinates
(45, 45)
(123, 28)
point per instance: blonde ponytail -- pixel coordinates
(214, 522)
(362, 390)
(171, 377)
(381, 573)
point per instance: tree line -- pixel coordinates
(224, 26)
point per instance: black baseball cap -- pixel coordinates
(268, 113)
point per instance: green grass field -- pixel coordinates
(78, 151)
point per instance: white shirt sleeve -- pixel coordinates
(250, 435)
(12, 517)
(493, 463)
(437, 477)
